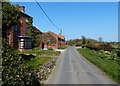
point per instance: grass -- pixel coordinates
(108, 66)
(115, 46)
(40, 52)
(37, 61)
(63, 47)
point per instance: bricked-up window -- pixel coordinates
(26, 19)
(16, 28)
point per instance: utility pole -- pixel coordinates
(60, 31)
(61, 37)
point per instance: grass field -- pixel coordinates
(108, 66)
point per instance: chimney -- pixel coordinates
(22, 9)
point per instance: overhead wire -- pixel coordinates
(47, 16)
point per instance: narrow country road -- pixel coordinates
(72, 68)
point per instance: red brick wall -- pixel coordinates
(22, 24)
(54, 46)
(13, 39)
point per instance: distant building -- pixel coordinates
(52, 40)
(17, 35)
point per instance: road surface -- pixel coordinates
(72, 68)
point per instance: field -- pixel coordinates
(100, 60)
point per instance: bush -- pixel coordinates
(14, 69)
(105, 47)
(50, 49)
(63, 47)
(37, 48)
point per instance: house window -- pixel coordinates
(26, 19)
(16, 28)
(21, 43)
(26, 31)
(25, 43)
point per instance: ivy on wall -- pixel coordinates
(49, 38)
(33, 33)
(15, 71)
(10, 16)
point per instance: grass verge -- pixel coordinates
(37, 61)
(111, 67)
(40, 52)
(63, 47)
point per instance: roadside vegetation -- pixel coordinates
(105, 60)
(40, 65)
(105, 55)
(41, 62)
(15, 70)
(63, 47)
(41, 52)
(36, 61)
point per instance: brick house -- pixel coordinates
(52, 40)
(17, 35)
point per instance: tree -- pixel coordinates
(100, 39)
(83, 40)
(10, 16)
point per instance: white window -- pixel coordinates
(22, 40)
(26, 43)
(21, 44)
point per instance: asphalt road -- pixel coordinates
(72, 68)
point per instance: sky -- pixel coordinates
(76, 19)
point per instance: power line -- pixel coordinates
(47, 16)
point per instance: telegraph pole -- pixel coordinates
(60, 31)
(61, 37)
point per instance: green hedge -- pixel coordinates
(14, 69)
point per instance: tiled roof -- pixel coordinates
(37, 29)
(60, 36)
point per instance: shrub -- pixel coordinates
(14, 69)
(63, 47)
(50, 49)
(37, 48)
(105, 47)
